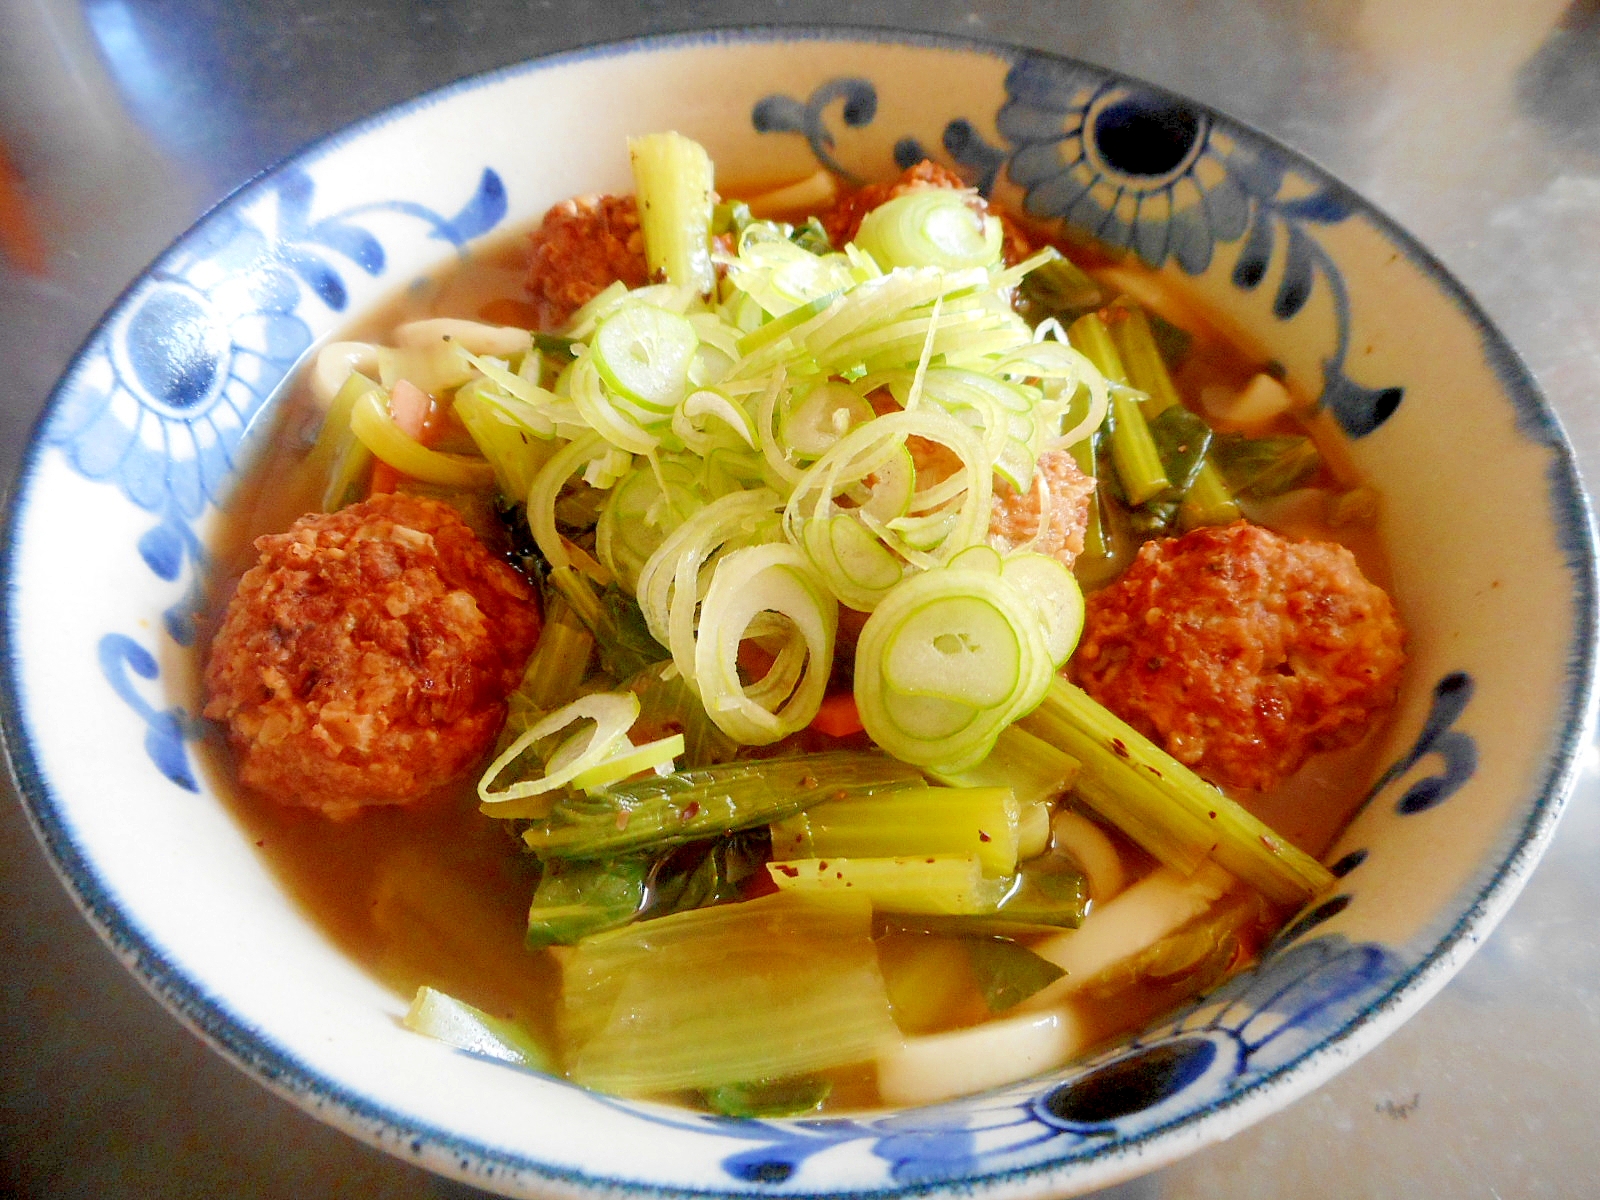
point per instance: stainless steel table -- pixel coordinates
(1475, 123)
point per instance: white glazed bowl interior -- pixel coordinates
(1487, 530)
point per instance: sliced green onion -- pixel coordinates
(612, 713)
(644, 353)
(947, 661)
(746, 583)
(930, 227)
(370, 421)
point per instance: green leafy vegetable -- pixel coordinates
(1059, 289)
(1008, 973)
(1164, 806)
(577, 898)
(624, 640)
(769, 1098)
(1260, 467)
(772, 988)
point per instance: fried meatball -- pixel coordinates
(582, 246)
(366, 658)
(1014, 516)
(1243, 652)
(843, 221)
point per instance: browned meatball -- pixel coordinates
(366, 658)
(582, 246)
(1243, 652)
(1014, 516)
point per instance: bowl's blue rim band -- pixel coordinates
(259, 1055)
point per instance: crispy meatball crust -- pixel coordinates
(366, 658)
(1243, 652)
(582, 246)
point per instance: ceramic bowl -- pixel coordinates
(1486, 527)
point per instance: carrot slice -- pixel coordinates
(838, 716)
(411, 408)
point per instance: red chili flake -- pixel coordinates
(1213, 816)
(841, 794)
(786, 870)
(1118, 745)
(691, 811)
(838, 874)
(808, 781)
(823, 865)
(931, 860)
(984, 837)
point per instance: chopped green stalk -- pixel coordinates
(1049, 893)
(471, 1029)
(1207, 498)
(674, 1003)
(556, 669)
(1008, 973)
(673, 809)
(769, 1098)
(1132, 449)
(937, 884)
(1096, 538)
(1164, 806)
(576, 899)
(978, 821)
(1091, 337)
(1140, 356)
(1032, 768)
(672, 178)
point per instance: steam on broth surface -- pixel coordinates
(436, 894)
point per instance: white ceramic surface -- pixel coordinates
(1487, 530)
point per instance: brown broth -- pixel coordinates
(437, 893)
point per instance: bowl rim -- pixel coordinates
(258, 1054)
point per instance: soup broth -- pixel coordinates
(437, 894)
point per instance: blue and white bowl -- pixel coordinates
(1488, 534)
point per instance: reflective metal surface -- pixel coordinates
(1475, 123)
